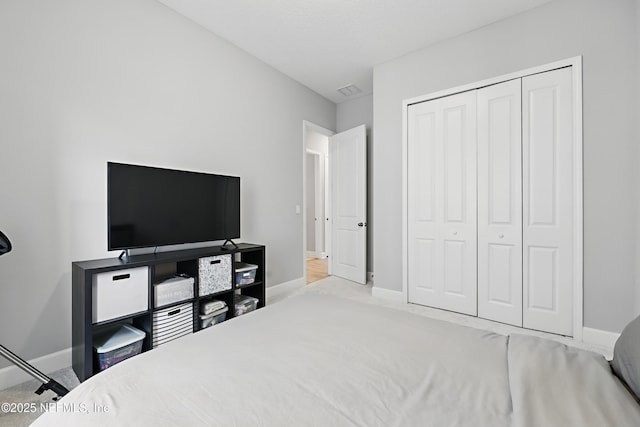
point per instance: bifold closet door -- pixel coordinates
(441, 192)
(500, 203)
(549, 190)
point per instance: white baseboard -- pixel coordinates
(386, 294)
(284, 288)
(12, 375)
(600, 338)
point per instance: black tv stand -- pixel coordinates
(224, 246)
(86, 301)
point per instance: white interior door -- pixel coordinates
(549, 189)
(500, 203)
(348, 166)
(442, 262)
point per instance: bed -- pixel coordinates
(318, 360)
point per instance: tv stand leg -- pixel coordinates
(224, 246)
(124, 255)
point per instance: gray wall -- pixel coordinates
(605, 33)
(84, 82)
(350, 114)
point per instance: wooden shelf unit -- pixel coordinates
(161, 265)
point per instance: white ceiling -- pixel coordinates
(328, 44)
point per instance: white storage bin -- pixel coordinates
(245, 273)
(120, 293)
(115, 344)
(171, 323)
(214, 274)
(173, 290)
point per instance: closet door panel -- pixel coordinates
(543, 278)
(500, 289)
(442, 203)
(459, 231)
(500, 203)
(453, 146)
(425, 272)
(422, 230)
(548, 193)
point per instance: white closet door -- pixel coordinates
(441, 194)
(548, 193)
(500, 203)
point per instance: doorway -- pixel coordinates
(316, 202)
(335, 200)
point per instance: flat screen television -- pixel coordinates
(149, 206)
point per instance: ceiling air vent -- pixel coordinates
(349, 90)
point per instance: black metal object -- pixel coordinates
(224, 246)
(5, 244)
(47, 382)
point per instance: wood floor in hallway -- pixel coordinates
(317, 268)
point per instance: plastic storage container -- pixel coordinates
(211, 319)
(245, 273)
(244, 304)
(115, 344)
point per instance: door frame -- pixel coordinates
(306, 127)
(576, 67)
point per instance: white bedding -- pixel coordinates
(315, 360)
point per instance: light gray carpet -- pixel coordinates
(24, 399)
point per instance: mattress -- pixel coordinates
(317, 360)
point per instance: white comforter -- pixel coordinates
(316, 360)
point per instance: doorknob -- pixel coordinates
(362, 224)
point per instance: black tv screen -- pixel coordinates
(148, 206)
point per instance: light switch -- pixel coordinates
(298, 210)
